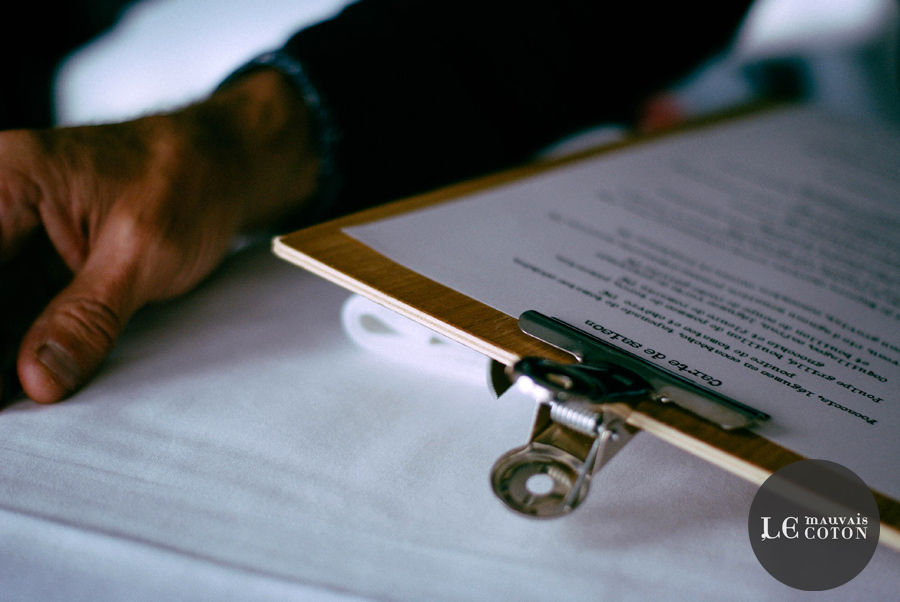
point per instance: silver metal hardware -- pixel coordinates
(666, 386)
(543, 480)
(573, 437)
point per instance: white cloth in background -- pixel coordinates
(239, 446)
(165, 53)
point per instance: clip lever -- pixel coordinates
(666, 386)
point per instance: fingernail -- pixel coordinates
(61, 365)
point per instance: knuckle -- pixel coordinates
(93, 321)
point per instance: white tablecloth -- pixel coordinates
(238, 446)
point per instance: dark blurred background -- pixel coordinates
(35, 43)
(118, 58)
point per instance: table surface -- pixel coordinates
(238, 446)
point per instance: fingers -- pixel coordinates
(19, 218)
(139, 211)
(69, 341)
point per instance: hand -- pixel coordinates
(137, 212)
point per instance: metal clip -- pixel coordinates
(666, 386)
(573, 437)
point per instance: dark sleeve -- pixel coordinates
(424, 93)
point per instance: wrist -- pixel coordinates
(257, 129)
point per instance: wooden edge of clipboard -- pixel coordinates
(326, 251)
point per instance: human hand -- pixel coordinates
(137, 212)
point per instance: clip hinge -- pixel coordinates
(572, 437)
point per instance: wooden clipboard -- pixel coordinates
(327, 251)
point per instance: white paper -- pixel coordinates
(761, 259)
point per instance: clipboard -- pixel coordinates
(326, 250)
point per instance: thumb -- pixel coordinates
(68, 342)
